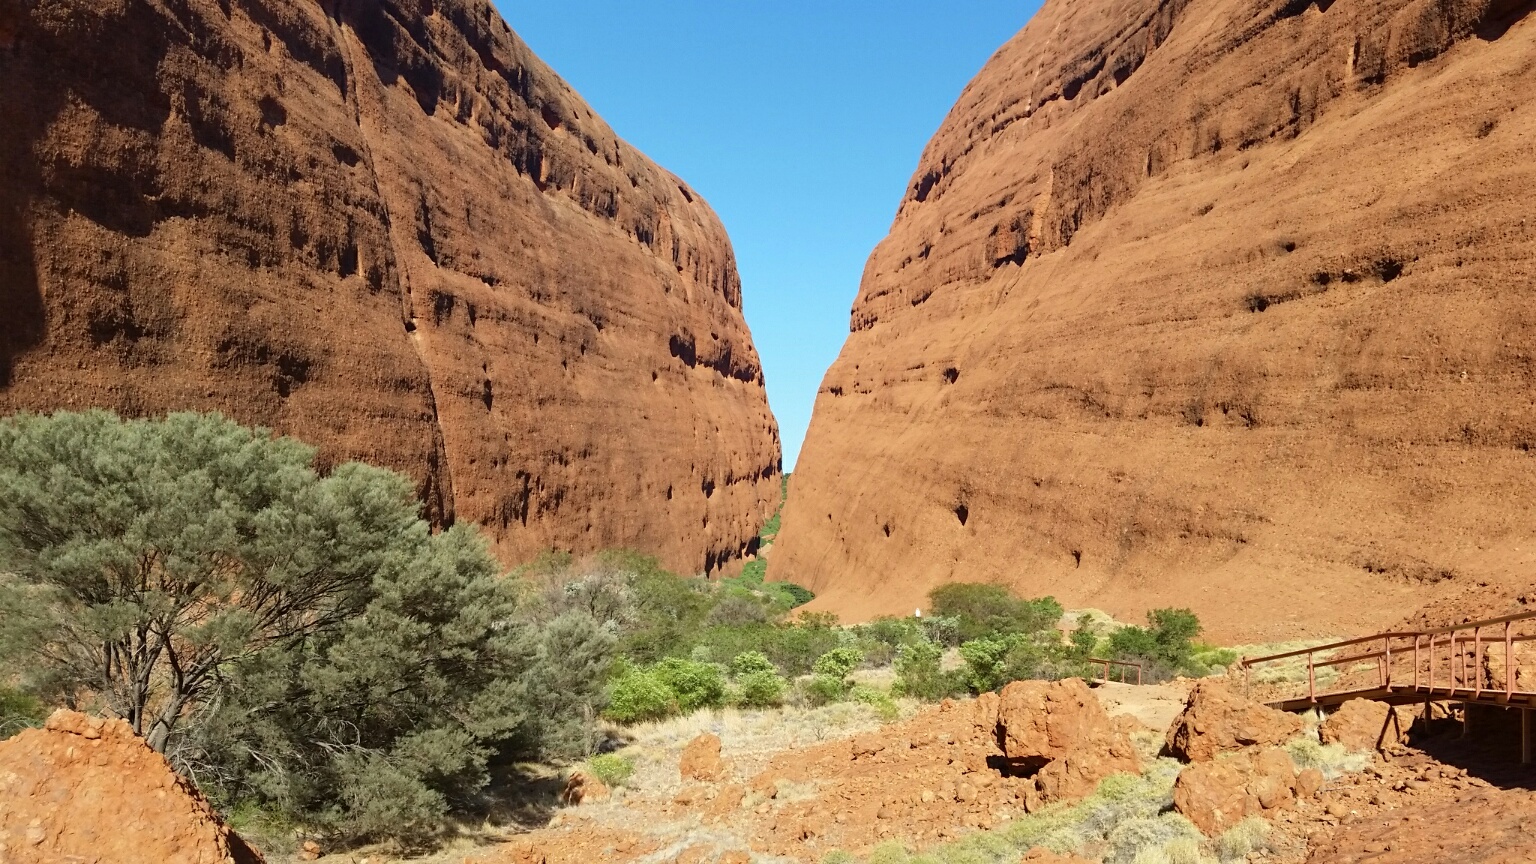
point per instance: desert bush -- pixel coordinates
(143, 548)
(638, 694)
(298, 641)
(612, 768)
(838, 663)
(884, 706)
(882, 638)
(1334, 760)
(985, 663)
(384, 727)
(748, 662)
(696, 685)
(1165, 647)
(991, 610)
(19, 711)
(760, 690)
(1134, 837)
(829, 681)
(1243, 839)
(919, 672)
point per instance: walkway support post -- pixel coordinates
(1525, 736)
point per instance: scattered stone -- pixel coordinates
(1309, 782)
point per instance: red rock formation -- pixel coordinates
(1215, 720)
(387, 228)
(1364, 725)
(85, 789)
(1211, 303)
(701, 759)
(1059, 732)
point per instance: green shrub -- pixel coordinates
(19, 711)
(1165, 647)
(637, 695)
(748, 662)
(823, 689)
(919, 672)
(696, 685)
(991, 610)
(985, 663)
(838, 662)
(881, 701)
(760, 689)
(611, 768)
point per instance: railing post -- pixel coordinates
(1311, 680)
(1386, 662)
(1477, 662)
(1509, 666)
(1450, 663)
(1417, 637)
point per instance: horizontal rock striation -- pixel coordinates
(387, 228)
(1211, 303)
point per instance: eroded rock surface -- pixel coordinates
(701, 759)
(1216, 720)
(1364, 724)
(388, 228)
(1211, 303)
(1060, 733)
(85, 789)
(1217, 795)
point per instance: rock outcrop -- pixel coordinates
(389, 229)
(1218, 795)
(701, 759)
(1059, 733)
(84, 789)
(1215, 721)
(1364, 725)
(1210, 303)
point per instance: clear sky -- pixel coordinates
(801, 121)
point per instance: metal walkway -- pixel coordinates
(1477, 663)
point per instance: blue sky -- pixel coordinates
(800, 120)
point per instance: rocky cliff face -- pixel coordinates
(1211, 303)
(383, 226)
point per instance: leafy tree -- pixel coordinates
(1164, 648)
(151, 555)
(301, 642)
(991, 610)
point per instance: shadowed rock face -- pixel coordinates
(387, 228)
(1212, 303)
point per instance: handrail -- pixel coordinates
(1124, 664)
(1461, 675)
